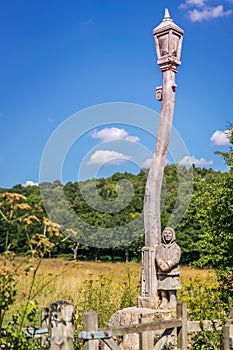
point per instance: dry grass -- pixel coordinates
(63, 279)
(204, 275)
(87, 269)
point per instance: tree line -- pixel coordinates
(104, 219)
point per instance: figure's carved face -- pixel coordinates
(167, 235)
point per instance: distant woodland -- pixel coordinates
(104, 219)
(204, 230)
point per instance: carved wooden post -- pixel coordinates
(61, 325)
(182, 332)
(228, 332)
(146, 339)
(44, 324)
(168, 39)
(90, 323)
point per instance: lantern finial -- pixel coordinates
(166, 14)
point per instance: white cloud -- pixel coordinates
(30, 183)
(202, 12)
(110, 134)
(208, 13)
(190, 160)
(220, 138)
(189, 3)
(147, 163)
(107, 157)
(132, 138)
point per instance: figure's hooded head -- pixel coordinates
(168, 235)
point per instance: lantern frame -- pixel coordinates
(168, 41)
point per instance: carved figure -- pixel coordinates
(167, 258)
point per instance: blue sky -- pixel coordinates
(59, 57)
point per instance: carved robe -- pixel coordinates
(167, 259)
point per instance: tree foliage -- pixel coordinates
(204, 232)
(228, 156)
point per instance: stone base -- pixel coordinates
(135, 315)
(148, 302)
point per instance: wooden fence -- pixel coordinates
(57, 330)
(91, 334)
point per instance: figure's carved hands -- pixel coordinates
(163, 265)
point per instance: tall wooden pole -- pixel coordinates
(168, 38)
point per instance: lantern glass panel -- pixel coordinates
(163, 45)
(175, 44)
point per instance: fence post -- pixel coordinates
(61, 325)
(181, 312)
(228, 332)
(90, 324)
(146, 338)
(44, 324)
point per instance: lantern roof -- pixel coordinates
(166, 24)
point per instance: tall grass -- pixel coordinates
(62, 279)
(59, 279)
(107, 287)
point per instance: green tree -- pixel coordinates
(228, 156)
(215, 215)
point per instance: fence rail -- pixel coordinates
(58, 325)
(92, 335)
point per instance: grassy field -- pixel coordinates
(62, 279)
(81, 270)
(103, 286)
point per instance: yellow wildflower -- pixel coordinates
(23, 206)
(12, 197)
(30, 219)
